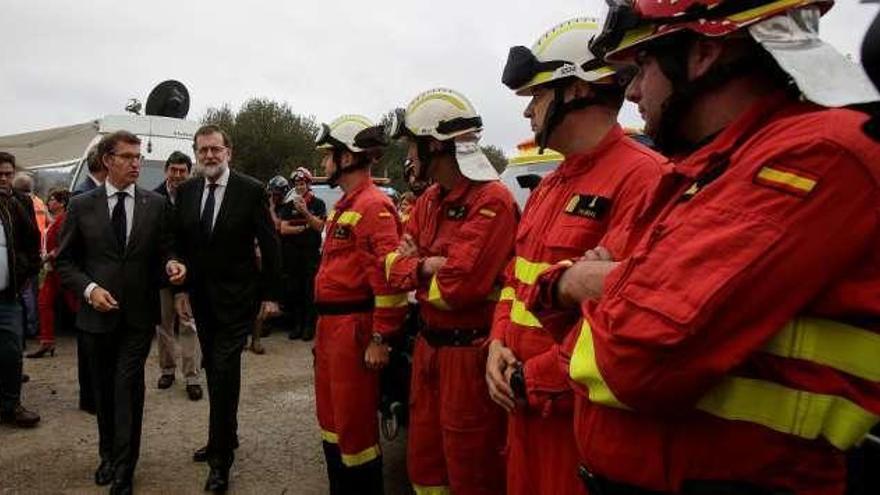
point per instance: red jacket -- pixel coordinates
(361, 230)
(473, 227)
(591, 196)
(739, 341)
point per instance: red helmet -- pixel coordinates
(301, 173)
(631, 23)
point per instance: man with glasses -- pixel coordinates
(219, 216)
(19, 260)
(116, 248)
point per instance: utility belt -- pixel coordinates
(344, 308)
(452, 337)
(597, 485)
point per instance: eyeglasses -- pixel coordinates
(128, 157)
(212, 150)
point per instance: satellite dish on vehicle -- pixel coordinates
(168, 99)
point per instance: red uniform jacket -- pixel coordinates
(361, 230)
(473, 226)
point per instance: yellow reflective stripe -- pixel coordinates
(349, 218)
(435, 297)
(391, 300)
(507, 294)
(523, 317)
(431, 490)
(786, 178)
(584, 370)
(786, 410)
(389, 262)
(362, 457)
(527, 271)
(837, 345)
(759, 11)
(329, 436)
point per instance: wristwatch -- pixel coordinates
(377, 338)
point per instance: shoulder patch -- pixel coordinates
(589, 206)
(487, 213)
(786, 179)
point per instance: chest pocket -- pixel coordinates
(341, 233)
(571, 239)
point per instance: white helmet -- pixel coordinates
(355, 133)
(559, 53)
(446, 115)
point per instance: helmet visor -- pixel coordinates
(371, 137)
(397, 127)
(621, 18)
(522, 66)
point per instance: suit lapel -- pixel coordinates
(103, 210)
(137, 215)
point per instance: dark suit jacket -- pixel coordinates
(85, 186)
(89, 252)
(224, 280)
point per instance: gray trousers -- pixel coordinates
(188, 341)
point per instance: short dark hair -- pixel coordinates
(179, 157)
(61, 195)
(207, 130)
(92, 161)
(107, 144)
(7, 158)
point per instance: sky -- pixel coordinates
(65, 62)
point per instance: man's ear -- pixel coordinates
(578, 89)
(704, 53)
(435, 146)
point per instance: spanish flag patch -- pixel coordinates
(487, 213)
(787, 179)
(384, 214)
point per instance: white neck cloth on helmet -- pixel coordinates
(472, 162)
(823, 75)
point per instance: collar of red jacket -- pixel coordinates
(454, 195)
(577, 163)
(752, 119)
(348, 198)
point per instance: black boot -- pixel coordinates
(335, 469)
(366, 479)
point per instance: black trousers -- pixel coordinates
(221, 359)
(116, 368)
(86, 390)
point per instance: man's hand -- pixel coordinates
(268, 309)
(598, 253)
(102, 300)
(182, 307)
(376, 356)
(300, 204)
(407, 246)
(298, 229)
(584, 280)
(499, 364)
(176, 272)
(431, 265)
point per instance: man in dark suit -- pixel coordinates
(116, 248)
(219, 216)
(95, 177)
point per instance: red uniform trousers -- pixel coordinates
(346, 392)
(538, 448)
(450, 411)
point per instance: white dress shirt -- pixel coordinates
(4, 259)
(129, 217)
(219, 192)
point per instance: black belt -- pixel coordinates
(597, 485)
(454, 337)
(344, 308)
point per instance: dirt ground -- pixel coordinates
(280, 449)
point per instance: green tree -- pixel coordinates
(496, 157)
(268, 137)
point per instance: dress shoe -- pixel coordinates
(20, 417)
(194, 391)
(121, 487)
(218, 480)
(42, 351)
(165, 381)
(257, 348)
(25, 378)
(104, 474)
(201, 455)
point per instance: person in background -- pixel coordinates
(24, 183)
(178, 168)
(96, 175)
(51, 293)
(405, 205)
(19, 260)
(301, 222)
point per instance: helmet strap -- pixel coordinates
(557, 111)
(362, 161)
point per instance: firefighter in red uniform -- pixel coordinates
(457, 240)
(357, 310)
(595, 193)
(735, 350)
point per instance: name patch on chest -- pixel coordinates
(588, 206)
(456, 212)
(342, 232)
